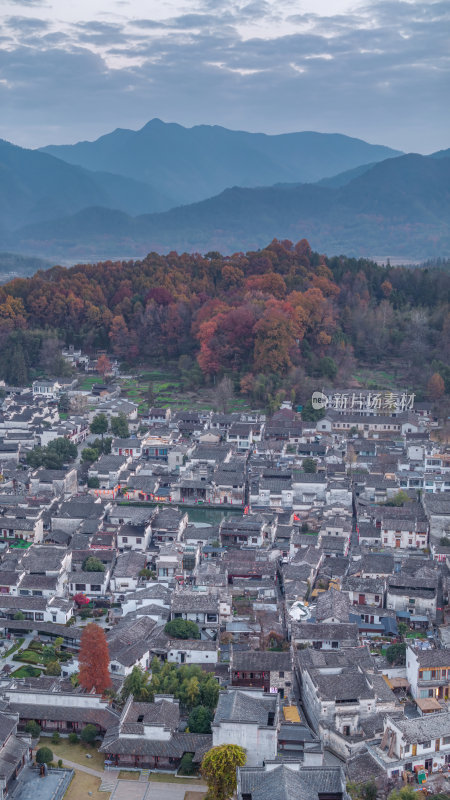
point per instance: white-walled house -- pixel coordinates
(428, 673)
(410, 743)
(248, 718)
(192, 651)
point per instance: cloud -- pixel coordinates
(380, 72)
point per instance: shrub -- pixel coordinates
(182, 629)
(44, 755)
(53, 668)
(200, 720)
(186, 766)
(89, 734)
(55, 737)
(73, 738)
(33, 729)
(396, 654)
(60, 763)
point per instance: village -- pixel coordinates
(298, 570)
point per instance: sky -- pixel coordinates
(76, 69)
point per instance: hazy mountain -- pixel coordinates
(13, 265)
(36, 186)
(342, 178)
(399, 207)
(192, 164)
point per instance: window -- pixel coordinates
(95, 587)
(140, 718)
(138, 541)
(335, 644)
(38, 615)
(124, 539)
(281, 674)
(426, 745)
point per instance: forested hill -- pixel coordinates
(399, 207)
(268, 318)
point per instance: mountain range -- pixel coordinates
(92, 200)
(192, 164)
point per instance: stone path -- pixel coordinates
(142, 789)
(153, 790)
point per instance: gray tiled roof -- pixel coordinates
(430, 726)
(325, 631)
(306, 785)
(261, 660)
(238, 706)
(104, 717)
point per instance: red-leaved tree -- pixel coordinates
(94, 659)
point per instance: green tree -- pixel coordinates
(444, 541)
(370, 790)
(219, 770)
(119, 426)
(53, 668)
(89, 734)
(186, 765)
(56, 736)
(99, 425)
(103, 446)
(396, 654)
(48, 655)
(44, 755)
(58, 643)
(73, 738)
(33, 729)
(309, 465)
(192, 691)
(182, 629)
(398, 499)
(92, 564)
(209, 690)
(89, 455)
(64, 404)
(137, 684)
(199, 720)
(406, 793)
(19, 615)
(93, 483)
(310, 414)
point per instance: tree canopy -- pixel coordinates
(219, 770)
(55, 455)
(182, 629)
(94, 659)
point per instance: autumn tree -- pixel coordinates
(94, 659)
(103, 365)
(436, 386)
(218, 768)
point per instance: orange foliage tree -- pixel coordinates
(94, 659)
(436, 386)
(103, 365)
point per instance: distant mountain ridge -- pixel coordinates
(36, 186)
(400, 206)
(192, 164)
